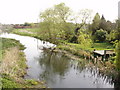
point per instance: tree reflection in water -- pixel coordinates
(54, 65)
(117, 82)
(85, 66)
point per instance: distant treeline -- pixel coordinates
(25, 25)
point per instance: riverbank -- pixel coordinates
(13, 66)
(75, 49)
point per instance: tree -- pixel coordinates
(84, 38)
(82, 19)
(103, 23)
(100, 35)
(118, 48)
(26, 24)
(62, 12)
(110, 26)
(54, 22)
(117, 79)
(118, 56)
(96, 23)
(112, 35)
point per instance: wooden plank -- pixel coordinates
(101, 52)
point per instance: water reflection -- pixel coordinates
(117, 82)
(53, 64)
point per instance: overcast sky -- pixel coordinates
(20, 11)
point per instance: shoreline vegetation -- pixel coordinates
(76, 51)
(13, 66)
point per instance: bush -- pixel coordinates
(100, 35)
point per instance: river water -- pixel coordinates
(56, 69)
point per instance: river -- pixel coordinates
(56, 69)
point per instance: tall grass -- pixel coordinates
(13, 66)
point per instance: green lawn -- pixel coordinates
(81, 50)
(97, 46)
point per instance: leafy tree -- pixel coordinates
(110, 26)
(96, 23)
(100, 35)
(54, 22)
(118, 55)
(82, 19)
(62, 12)
(84, 38)
(32, 25)
(103, 23)
(26, 24)
(111, 36)
(118, 47)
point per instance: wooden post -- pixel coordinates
(104, 54)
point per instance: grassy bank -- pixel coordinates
(33, 33)
(13, 66)
(27, 32)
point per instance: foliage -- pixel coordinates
(100, 35)
(84, 38)
(7, 82)
(27, 24)
(54, 22)
(95, 24)
(118, 47)
(103, 23)
(118, 55)
(111, 36)
(82, 18)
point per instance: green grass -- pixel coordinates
(84, 51)
(8, 43)
(97, 46)
(8, 82)
(102, 46)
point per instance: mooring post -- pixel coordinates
(104, 55)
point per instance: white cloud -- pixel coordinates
(20, 11)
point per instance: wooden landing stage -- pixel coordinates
(104, 53)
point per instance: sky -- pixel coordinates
(21, 11)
